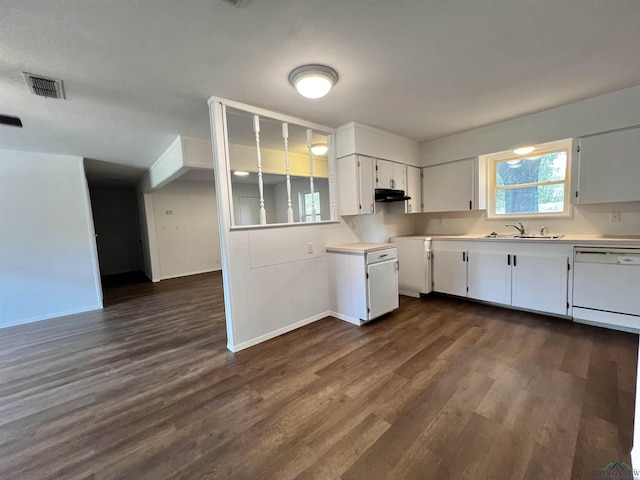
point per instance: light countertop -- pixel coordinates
(572, 239)
(359, 247)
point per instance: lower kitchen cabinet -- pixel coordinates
(540, 283)
(450, 272)
(489, 277)
(518, 274)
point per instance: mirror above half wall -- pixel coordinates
(275, 177)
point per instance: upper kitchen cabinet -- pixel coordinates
(606, 167)
(390, 175)
(356, 185)
(364, 140)
(450, 187)
(413, 190)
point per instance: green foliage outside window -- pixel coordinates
(531, 184)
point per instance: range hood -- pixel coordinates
(390, 195)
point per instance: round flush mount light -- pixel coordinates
(313, 81)
(524, 150)
(319, 149)
(240, 173)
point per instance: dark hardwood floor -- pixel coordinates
(441, 389)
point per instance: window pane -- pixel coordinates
(546, 168)
(542, 199)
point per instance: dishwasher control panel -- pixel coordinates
(622, 256)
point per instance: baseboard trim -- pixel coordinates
(187, 274)
(276, 333)
(49, 316)
(346, 318)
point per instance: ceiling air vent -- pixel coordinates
(10, 120)
(44, 86)
(236, 3)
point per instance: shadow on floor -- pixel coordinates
(124, 279)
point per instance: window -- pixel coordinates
(535, 184)
(305, 204)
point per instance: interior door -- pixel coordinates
(382, 288)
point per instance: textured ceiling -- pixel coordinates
(138, 72)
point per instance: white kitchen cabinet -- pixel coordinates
(606, 167)
(520, 274)
(450, 271)
(363, 279)
(413, 190)
(540, 282)
(390, 175)
(382, 288)
(356, 138)
(355, 185)
(489, 277)
(450, 186)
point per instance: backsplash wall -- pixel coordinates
(585, 220)
(381, 225)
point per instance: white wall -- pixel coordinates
(599, 114)
(585, 220)
(615, 110)
(47, 248)
(241, 190)
(381, 225)
(115, 218)
(187, 241)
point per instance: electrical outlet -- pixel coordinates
(354, 224)
(614, 217)
(169, 212)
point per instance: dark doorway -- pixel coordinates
(115, 217)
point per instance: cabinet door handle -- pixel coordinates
(372, 208)
(464, 258)
(470, 205)
(514, 261)
(509, 260)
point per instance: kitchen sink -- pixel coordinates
(526, 236)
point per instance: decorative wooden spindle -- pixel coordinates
(256, 129)
(313, 204)
(285, 136)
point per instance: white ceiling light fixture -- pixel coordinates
(313, 81)
(240, 173)
(319, 149)
(524, 150)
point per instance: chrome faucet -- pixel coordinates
(542, 230)
(520, 228)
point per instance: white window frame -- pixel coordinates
(541, 149)
(302, 206)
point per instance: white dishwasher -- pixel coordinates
(606, 283)
(363, 281)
